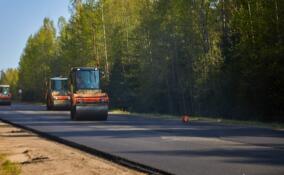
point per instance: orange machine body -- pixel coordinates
(5, 95)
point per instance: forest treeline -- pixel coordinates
(201, 57)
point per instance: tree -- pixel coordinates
(35, 64)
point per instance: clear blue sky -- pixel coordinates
(21, 18)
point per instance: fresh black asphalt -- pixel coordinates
(197, 148)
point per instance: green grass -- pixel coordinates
(255, 123)
(221, 120)
(118, 111)
(273, 125)
(8, 168)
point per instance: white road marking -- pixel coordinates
(195, 139)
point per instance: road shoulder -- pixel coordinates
(36, 155)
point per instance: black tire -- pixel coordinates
(48, 107)
(103, 117)
(73, 113)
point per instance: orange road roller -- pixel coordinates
(57, 94)
(88, 102)
(5, 95)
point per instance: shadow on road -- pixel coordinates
(251, 156)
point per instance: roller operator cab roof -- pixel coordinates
(83, 68)
(58, 78)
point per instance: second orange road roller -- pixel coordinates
(88, 101)
(57, 95)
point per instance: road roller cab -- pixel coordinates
(87, 99)
(5, 95)
(57, 95)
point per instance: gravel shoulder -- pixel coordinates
(36, 155)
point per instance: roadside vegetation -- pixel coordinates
(222, 120)
(203, 58)
(7, 167)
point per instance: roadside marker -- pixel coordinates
(185, 118)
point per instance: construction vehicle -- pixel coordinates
(57, 94)
(5, 95)
(88, 102)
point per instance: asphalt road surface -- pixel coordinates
(198, 148)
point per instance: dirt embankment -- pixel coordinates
(36, 155)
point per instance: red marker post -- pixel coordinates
(185, 118)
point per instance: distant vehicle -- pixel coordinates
(5, 95)
(57, 94)
(88, 102)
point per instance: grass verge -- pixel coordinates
(273, 125)
(7, 167)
